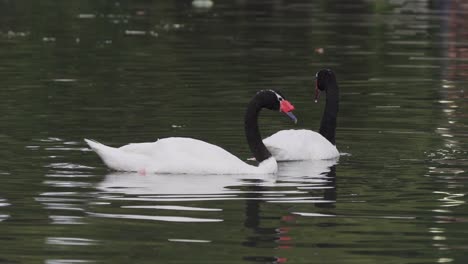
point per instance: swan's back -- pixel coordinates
(176, 155)
(300, 145)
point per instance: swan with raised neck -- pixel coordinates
(302, 144)
(325, 81)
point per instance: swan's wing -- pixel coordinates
(144, 148)
(188, 155)
(174, 155)
(288, 145)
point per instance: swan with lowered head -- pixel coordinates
(302, 144)
(187, 155)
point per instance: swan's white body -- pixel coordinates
(177, 155)
(302, 144)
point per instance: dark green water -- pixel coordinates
(135, 71)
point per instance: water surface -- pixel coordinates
(122, 72)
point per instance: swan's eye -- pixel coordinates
(280, 99)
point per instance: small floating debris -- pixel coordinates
(49, 39)
(86, 16)
(202, 3)
(319, 50)
(140, 13)
(118, 16)
(177, 126)
(11, 34)
(135, 32)
(175, 26)
(64, 80)
(32, 148)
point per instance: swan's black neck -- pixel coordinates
(254, 139)
(328, 123)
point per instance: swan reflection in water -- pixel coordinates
(299, 175)
(309, 178)
(295, 182)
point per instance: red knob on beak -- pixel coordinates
(287, 108)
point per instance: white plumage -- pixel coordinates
(288, 145)
(177, 155)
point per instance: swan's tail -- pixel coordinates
(94, 145)
(116, 158)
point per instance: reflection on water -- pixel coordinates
(448, 166)
(3, 203)
(69, 241)
(156, 192)
(137, 71)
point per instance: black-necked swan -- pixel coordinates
(305, 144)
(188, 155)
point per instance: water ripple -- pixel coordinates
(71, 184)
(70, 241)
(66, 220)
(172, 207)
(4, 203)
(3, 217)
(66, 165)
(177, 219)
(68, 261)
(355, 216)
(188, 240)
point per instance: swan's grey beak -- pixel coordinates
(291, 115)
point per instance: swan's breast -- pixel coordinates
(300, 145)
